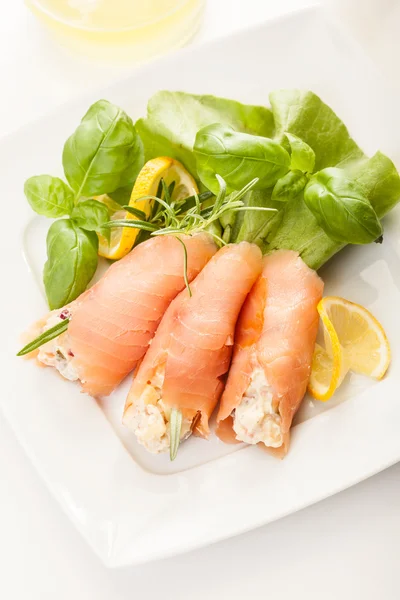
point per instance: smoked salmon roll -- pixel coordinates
(190, 355)
(112, 324)
(274, 344)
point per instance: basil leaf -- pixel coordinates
(238, 158)
(288, 186)
(71, 262)
(341, 208)
(90, 215)
(123, 194)
(105, 152)
(49, 196)
(379, 179)
(174, 118)
(302, 155)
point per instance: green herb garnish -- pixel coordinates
(139, 214)
(45, 337)
(134, 224)
(175, 425)
(102, 156)
(170, 221)
(341, 208)
(238, 158)
(185, 275)
(71, 262)
(104, 153)
(302, 157)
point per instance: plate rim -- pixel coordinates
(109, 554)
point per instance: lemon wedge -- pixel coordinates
(122, 239)
(354, 341)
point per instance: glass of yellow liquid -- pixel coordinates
(131, 30)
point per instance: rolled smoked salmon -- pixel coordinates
(113, 322)
(190, 354)
(274, 343)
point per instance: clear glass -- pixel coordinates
(123, 29)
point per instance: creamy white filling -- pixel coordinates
(255, 419)
(57, 352)
(148, 417)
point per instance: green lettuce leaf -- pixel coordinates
(295, 227)
(174, 118)
(305, 115)
(170, 128)
(254, 226)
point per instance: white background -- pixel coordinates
(346, 547)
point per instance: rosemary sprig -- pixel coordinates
(175, 425)
(139, 214)
(136, 224)
(170, 218)
(170, 188)
(185, 275)
(45, 337)
(190, 202)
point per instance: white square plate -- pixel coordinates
(132, 507)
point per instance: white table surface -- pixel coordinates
(346, 547)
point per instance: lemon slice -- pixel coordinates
(122, 239)
(354, 341)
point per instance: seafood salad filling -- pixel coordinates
(148, 418)
(257, 419)
(57, 352)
